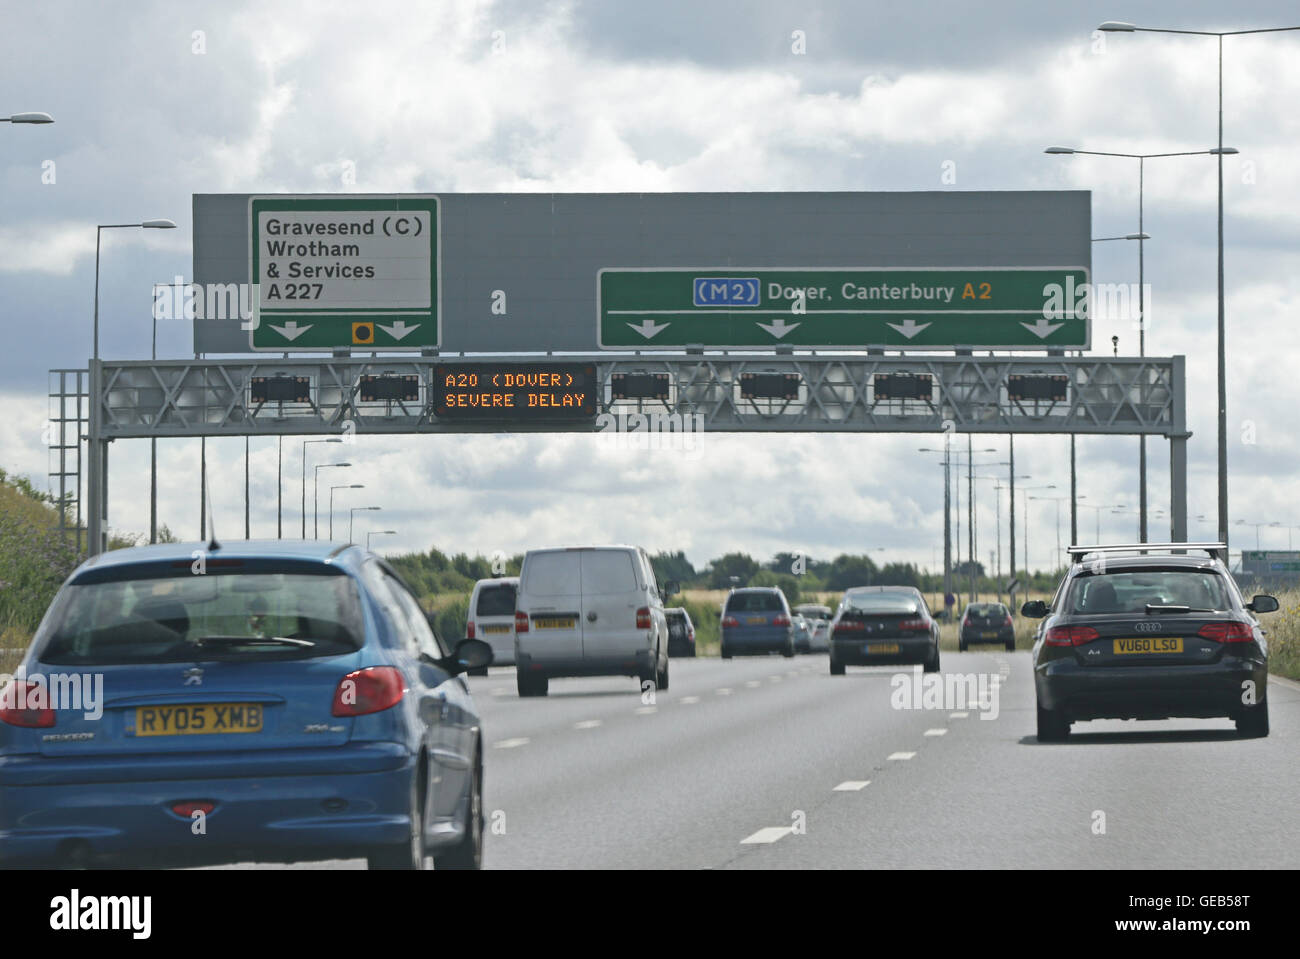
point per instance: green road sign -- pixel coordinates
(851, 308)
(344, 272)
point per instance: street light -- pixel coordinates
(352, 514)
(947, 510)
(1058, 500)
(1142, 335)
(315, 495)
(94, 475)
(305, 444)
(332, 489)
(1120, 26)
(1242, 522)
(1024, 502)
(379, 532)
(28, 118)
(1097, 508)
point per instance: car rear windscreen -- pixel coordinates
(881, 604)
(215, 616)
(754, 603)
(498, 600)
(987, 610)
(1131, 591)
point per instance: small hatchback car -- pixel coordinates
(258, 701)
(756, 619)
(986, 623)
(1155, 636)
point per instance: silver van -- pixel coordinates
(492, 618)
(589, 611)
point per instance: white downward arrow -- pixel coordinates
(398, 329)
(291, 330)
(1042, 329)
(649, 328)
(778, 327)
(909, 328)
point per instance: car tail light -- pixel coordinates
(728, 621)
(780, 620)
(850, 626)
(965, 621)
(189, 807)
(370, 690)
(25, 703)
(1227, 632)
(469, 629)
(1007, 621)
(643, 618)
(521, 622)
(914, 625)
(1070, 635)
(690, 636)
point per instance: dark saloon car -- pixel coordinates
(883, 625)
(1151, 636)
(681, 632)
(986, 623)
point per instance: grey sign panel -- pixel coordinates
(519, 271)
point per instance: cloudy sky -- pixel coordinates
(157, 101)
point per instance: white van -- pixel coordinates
(492, 618)
(589, 611)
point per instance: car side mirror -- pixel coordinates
(468, 654)
(1262, 604)
(1035, 609)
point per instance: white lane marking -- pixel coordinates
(646, 710)
(724, 691)
(936, 732)
(792, 672)
(688, 700)
(852, 785)
(587, 724)
(958, 715)
(767, 834)
(753, 683)
(511, 743)
(900, 755)
(774, 679)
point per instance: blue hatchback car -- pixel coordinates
(256, 701)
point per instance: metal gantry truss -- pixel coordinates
(836, 393)
(969, 394)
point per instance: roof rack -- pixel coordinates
(1218, 551)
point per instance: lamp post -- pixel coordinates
(33, 118)
(315, 495)
(95, 446)
(379, 532)
(947, 510)
(332, 489)
(1142, 238)
(1058, 500)
(1117, 26)
(1024, 502)
(353, 513)
(1097, 508)
(305, 444)
(1242, 522)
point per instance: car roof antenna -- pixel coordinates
(213, 545)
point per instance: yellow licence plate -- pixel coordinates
(198, 719)
(757, 621)
(496, 629)
(882, 648)
(554, 622)
(1149, 644)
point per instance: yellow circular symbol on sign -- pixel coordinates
(363, 334)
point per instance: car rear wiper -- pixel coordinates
(252, 641)
(1157, 608)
